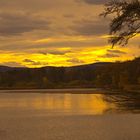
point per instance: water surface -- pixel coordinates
(67, 104)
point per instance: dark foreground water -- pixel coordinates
(18, 102)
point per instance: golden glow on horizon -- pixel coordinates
(64, 56)
(74, 57)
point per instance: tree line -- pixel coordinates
(117, 75)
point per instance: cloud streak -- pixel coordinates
(116, 51)
(19, 23)
(31, 62)
(75, 61)
(55, 52)
(93, 2)
(89, 27)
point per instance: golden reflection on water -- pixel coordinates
(62, 103)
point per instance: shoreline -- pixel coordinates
(69, 90)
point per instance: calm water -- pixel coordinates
(67, 104)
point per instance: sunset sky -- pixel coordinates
(36, 33)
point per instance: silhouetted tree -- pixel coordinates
(126, 20)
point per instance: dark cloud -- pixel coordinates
(54, 52)
(28, 60)
(75, 61)
(36, 63)
(97, 61)
(12, 64)
(110, 55)
(95, 2)
(90, 27)
(113, 53)
(31, 62)
(57, 53)
(68, 15)
(18, 23)
(28, 4)
(116, 51)
(42, 52)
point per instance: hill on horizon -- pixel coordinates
(7, 68)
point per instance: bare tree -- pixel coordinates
(126, 20)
